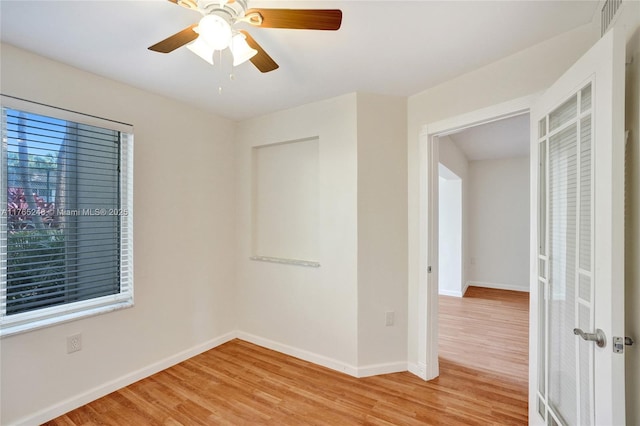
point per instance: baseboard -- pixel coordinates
(454, 293)
(63, 407)
(418, 369)
(466, 287)
(300, 353)
(498, 286)
(386, 368)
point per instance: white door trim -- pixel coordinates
(426, 252)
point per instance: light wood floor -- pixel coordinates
(242, 384)
(487, 330)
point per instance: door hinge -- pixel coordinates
(620, 342)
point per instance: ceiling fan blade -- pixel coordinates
(191, 4)
(261, 60)
(187, 4)
(177, 40)
(297, 19)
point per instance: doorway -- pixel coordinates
(425, 252)
(486, 294)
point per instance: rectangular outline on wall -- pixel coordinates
(254, 212)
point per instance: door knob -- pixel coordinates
(598, 337)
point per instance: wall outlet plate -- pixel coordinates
(390, 318)
(74, 343)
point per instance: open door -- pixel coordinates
(577, 282)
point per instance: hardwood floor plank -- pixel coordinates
(492, 322)
(483, 381)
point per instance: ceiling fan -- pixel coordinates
(216, 30)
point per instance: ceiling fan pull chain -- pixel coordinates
(218, 79)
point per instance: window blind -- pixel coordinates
(62, 211)
(66, 230)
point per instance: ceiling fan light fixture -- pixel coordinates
(218, 26)
(241, 50)
(201, 48)
(216, 31)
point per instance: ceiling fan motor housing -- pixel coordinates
(230, 10)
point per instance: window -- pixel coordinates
(66, 224)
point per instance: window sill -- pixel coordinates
(48, 317)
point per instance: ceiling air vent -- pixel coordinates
(607, 14)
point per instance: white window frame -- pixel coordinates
(45, 317)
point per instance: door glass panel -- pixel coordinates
(542, 127)
(585, 102)
(585, 288)
(542, 347)
(585, 193)
(585, 317)
(563, 186)
(564, 113)
(542, 204)
(542, 408)
(584, 353)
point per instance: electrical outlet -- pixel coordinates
(389, 318)
(74, 343)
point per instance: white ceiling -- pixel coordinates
(505, 138)
(387, 47)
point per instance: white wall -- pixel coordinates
(450, 156)
(450, 281)
(498, 232)
(522, 74)
(334, 315)
(285, 200)
(184, 239)
(309, 312)
(382, 233)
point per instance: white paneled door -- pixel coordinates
(577, 292)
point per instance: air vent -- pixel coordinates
(607, 14)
